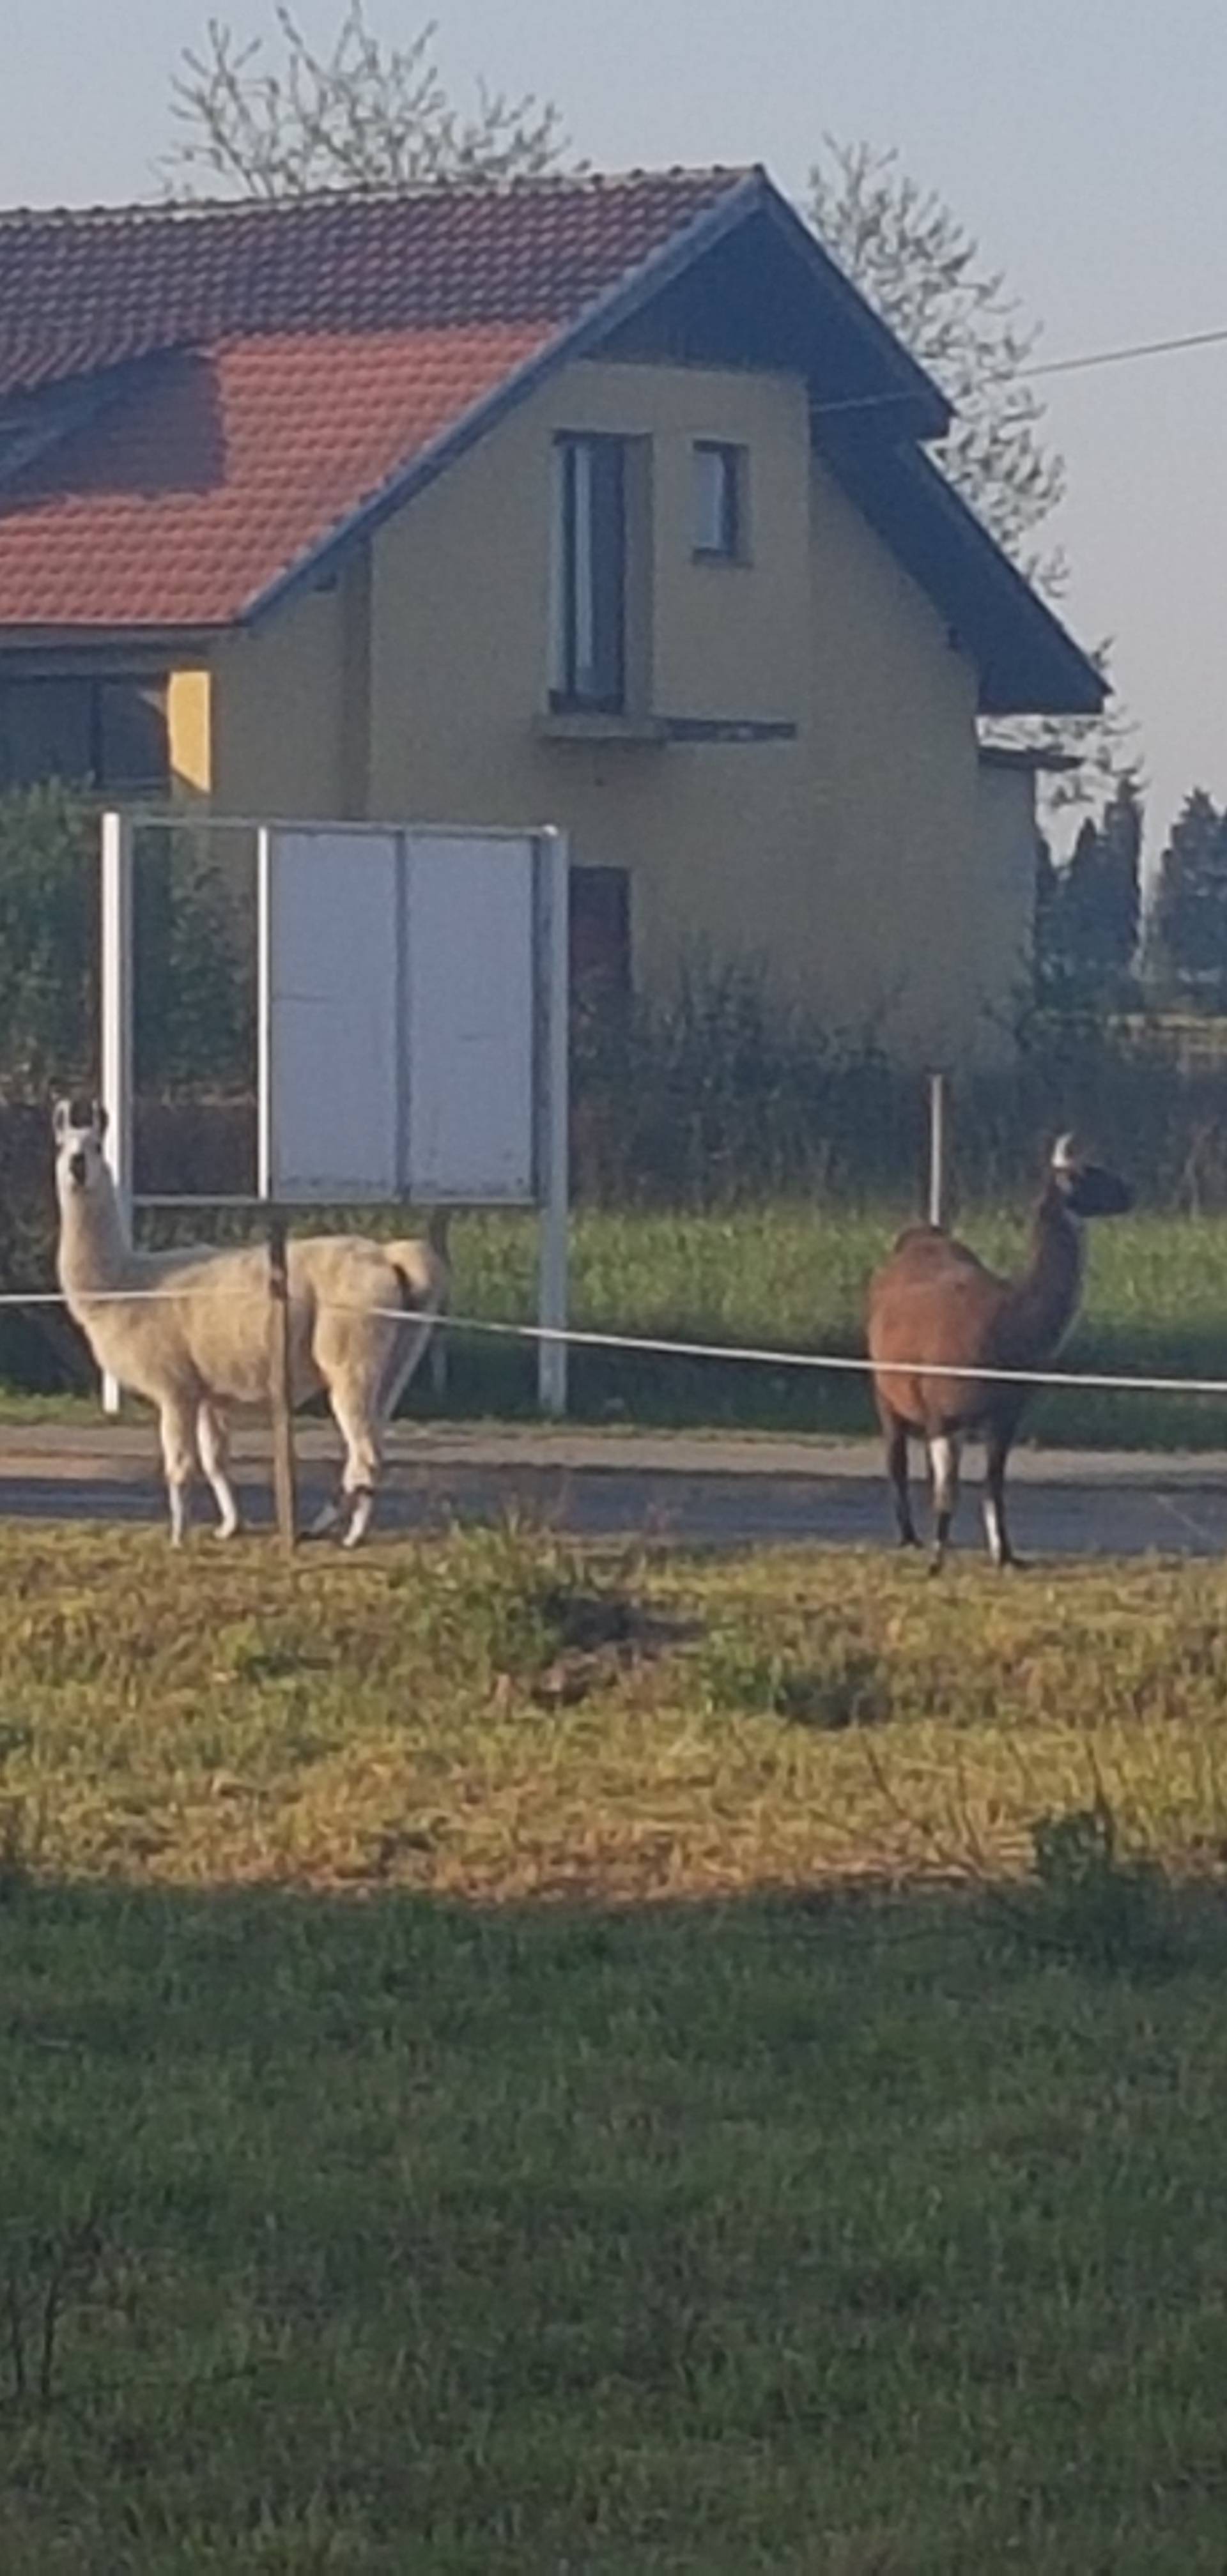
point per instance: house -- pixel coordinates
(599, 501)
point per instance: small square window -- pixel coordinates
(718, 512)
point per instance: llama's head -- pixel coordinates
(1086, 1188)
(80, 1164)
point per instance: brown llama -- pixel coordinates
(934, 1303)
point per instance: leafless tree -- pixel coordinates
(922, 271)
(260, 121)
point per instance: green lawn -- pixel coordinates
(793, 1277)
(527, 2062)
(789, 1277)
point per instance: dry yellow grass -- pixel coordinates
(490, 1716)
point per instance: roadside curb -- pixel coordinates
(127, 1451)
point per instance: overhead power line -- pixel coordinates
(1132, 349)
(1078, 364)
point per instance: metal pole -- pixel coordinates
(116, 997)
(553, 1130)
(937, 1148)
(264, 1014)
(279, 1387)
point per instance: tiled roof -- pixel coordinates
(82, 291)
(210, 474)
(192, 399)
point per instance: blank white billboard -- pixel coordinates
(329, 1016)
(469, 1018)
(401, 1000)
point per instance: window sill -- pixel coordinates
(654, 732)
(591, 724)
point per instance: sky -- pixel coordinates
(1080, 141)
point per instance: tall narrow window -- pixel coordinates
(589, 620)
(718, 508)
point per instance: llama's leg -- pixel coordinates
(944, 1466)
(362, 1419)
(997, 1450)
(213, 1443)
(360, 1474)
(179, 1459)
(896, 1469)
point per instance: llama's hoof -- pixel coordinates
(224, 1530)
(935, 1566)
(907, 1538)
(360, 1517)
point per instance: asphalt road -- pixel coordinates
(695, 1490)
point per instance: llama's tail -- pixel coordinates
(422, 1275)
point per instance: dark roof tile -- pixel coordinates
(79, 291)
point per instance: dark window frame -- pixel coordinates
(597, 687)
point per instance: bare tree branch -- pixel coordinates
(363, 114)
(920, 269)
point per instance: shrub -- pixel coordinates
(192, 1007)
(48, 940)
(720, 1093)
(717, 1095)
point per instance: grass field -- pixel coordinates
(794, 1278)
(521, 2062)
(1156, 1304)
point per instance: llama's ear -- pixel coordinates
(99, 1117)
(61, 1119)
(1065, 1156)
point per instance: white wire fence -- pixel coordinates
(643, 1345)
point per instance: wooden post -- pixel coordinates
(281, 1411)
(937, 1148)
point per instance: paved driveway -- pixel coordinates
(696, 1489)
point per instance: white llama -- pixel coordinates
(200, 1342)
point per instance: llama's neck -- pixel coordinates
(95, 1250)
(1046, 1295)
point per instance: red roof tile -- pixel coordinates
(213, 473)
(194, 400)
(80, 291)
(259, 371)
